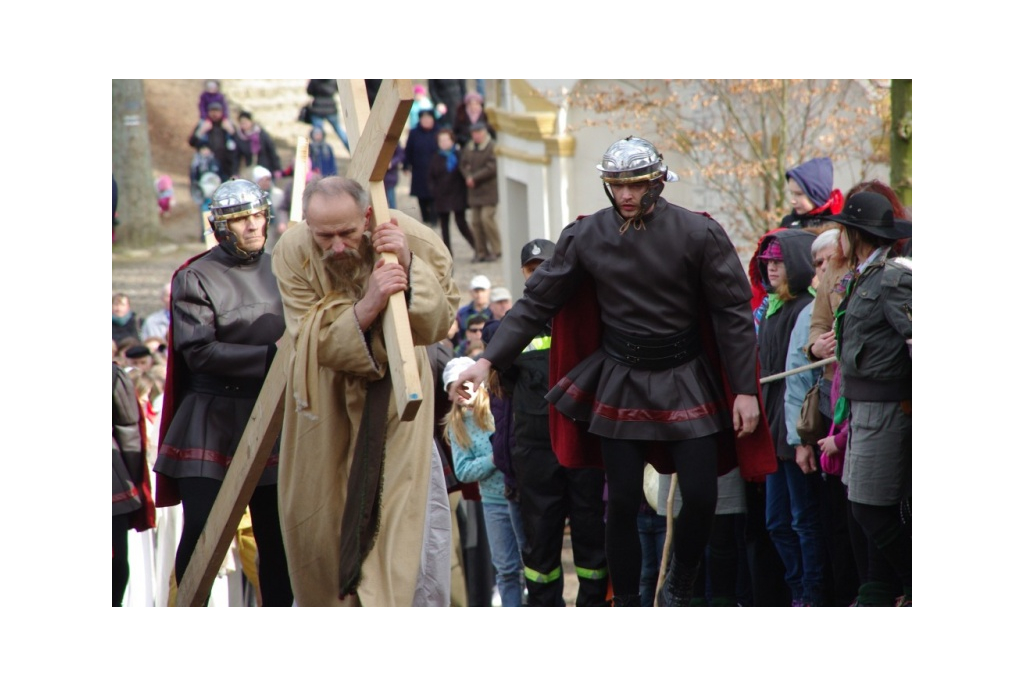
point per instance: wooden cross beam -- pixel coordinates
(373, 135)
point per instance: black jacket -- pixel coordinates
(223, 145)
(323, 90)
(267, 156)
(420, 149)
(775, 331)
(449, 91)
(873, 332)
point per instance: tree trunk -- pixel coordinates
(901, 178)
(137, 211)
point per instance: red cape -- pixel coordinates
(575, 334)
(167, 494)
(144, 518)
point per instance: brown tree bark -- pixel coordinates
(138, 219)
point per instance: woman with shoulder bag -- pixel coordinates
(849, 550)
(873, 332)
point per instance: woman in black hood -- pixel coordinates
(792, 509)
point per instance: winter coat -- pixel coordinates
(131, 491)
(462, 124)
(480, 164)
(323, 90)
(391, 175)
(321, 156)
(128, 329)
(447, 187)
(774, 334)
(873, 353)
(201, 165)
(206, 99)
(823, 315)
(224, 146)
(530, 374)
(503, 442)
(420, 149)
(267, 156)
(450, 92)
(475, 463)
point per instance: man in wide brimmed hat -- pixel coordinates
(873, 334)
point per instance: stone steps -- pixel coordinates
(275, 104)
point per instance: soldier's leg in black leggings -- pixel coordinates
(197, 498)
(696, 464)
(275, 585)
(624, 469)
(121, 526)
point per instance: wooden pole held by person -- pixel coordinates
(373, 135)
(791, 372)
(298, 180)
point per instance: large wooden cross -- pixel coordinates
(373, 135)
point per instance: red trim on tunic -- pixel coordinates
(202, 454)
(649, 415)
(126, 495)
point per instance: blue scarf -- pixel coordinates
(451, 160)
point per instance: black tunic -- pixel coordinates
(649, 284)
(227, 318)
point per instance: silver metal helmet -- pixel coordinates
(632, 160)
(233, 200)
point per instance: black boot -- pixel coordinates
(677, 590)
(626, 600)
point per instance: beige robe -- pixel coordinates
(323, 408)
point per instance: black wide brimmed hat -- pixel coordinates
(872, 213)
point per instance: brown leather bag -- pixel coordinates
(812, 425)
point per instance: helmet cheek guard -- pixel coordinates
(635, 160)
(235, 200)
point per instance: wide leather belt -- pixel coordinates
(653, 354)
(225, 386)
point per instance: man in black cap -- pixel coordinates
(549, 492)
(139, 357)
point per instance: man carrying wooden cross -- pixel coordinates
(354, 478)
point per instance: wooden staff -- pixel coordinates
(808, 367)
(298, 180)
(669, 527)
